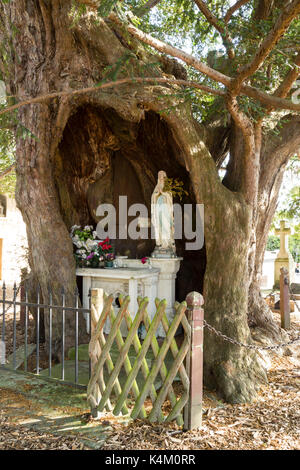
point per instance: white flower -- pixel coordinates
(75, 227)
(80, 244)
(95, 235)
(80, 252)
(88, 227)
(91, 244)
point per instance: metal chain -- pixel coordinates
(248, 346)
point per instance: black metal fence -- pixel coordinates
(17, 307)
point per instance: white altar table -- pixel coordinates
(132, 281)
(135, 280)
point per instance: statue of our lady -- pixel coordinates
(162, 218)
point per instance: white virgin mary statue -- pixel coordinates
(162, 218)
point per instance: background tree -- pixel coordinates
(57, 60)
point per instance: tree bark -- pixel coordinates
(47, 54)
(276, 150)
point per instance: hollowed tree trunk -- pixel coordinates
(50, 55)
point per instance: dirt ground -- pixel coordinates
(17, 437)
(271, 422)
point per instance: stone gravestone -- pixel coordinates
(284, 257)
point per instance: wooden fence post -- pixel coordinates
(193, 412)
(284, 299)
(97, 302)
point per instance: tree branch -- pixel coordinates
(288, 136)
(251, 151)
(7, 170)
(281, 25)
(146, 8)
(287, 84)
(289, 80)
(263, 9)
(213, 20)
(233, 9)
(252, 92)
(278, 148)
(122, 81)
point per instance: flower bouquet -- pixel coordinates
(85, 242)
(105, 250)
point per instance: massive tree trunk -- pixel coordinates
(68, 168)
(276, 150)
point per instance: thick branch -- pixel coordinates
(146, 8)
(252, 92)
(280, 146)
(233, 9)
(250, 154)
(213, 20)
(287, 84)
(289, 80)
(281, 25)
(154, 80)
(263, 9)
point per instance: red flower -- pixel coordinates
(144, 260)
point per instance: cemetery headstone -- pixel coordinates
(284, 257)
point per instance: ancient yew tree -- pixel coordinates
(107, 104)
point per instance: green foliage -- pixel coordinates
(294, 244)
(77, 11)
(180, 23)
(106, 7)
(10, 128)
(273, 243)
(175, 186)
(292, 205)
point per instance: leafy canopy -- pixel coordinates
(183, 24)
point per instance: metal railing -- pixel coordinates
(22, 307)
